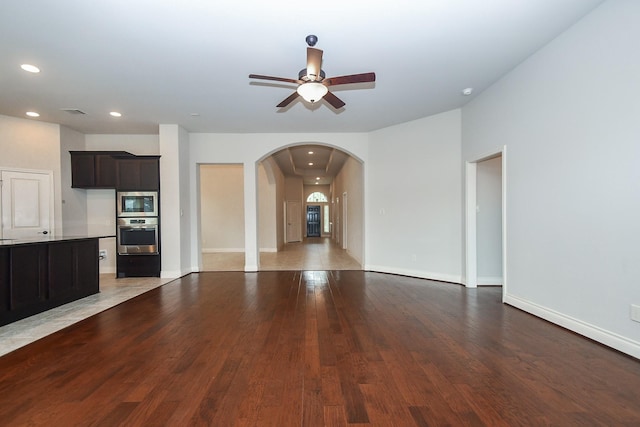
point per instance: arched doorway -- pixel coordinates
(287, 179)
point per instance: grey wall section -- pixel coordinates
(569, 116)
(414, 199)
(74, 201)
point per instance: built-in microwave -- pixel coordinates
(137, 203)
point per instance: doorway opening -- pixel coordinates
(222, 217)
(485, 221)
(313, 221)
(306, 181)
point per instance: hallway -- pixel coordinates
(314, 253)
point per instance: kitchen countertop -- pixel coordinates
(49, 239)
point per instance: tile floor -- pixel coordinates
(315, 253)
(112, 292)
(312, 254)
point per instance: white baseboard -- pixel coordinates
(173, 274)
(214, 250)
(489, 281)
(608, 338)
(415, 273)
(250, 268)
(225, 250)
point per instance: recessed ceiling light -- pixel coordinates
(30, 68)
(317, 178)
(32, 114)
(468, 91)
(310, 152)
(317, 183)
(310, 164)
(115, 114)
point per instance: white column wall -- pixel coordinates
(174, 201)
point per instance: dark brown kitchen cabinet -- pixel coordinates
(138, 173)
(114, 169)
(35, 277)
(95, 169)
(4, 280)
(83, 170)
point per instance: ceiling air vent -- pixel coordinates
(73, 111)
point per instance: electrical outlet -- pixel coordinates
(102, 254)
(635, 312)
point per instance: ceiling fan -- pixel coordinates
(313, 85)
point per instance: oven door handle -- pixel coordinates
(133, 228)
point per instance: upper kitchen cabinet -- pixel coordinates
(138, 173)
(114, 169)
(94, 169)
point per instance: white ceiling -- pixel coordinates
(159, 61)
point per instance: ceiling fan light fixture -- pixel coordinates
(312, 91)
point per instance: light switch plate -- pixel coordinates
(635, 312)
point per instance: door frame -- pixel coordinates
(344, 220)
(471, 243)
(52, 225)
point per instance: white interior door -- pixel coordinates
(294, 222)
(25, 204)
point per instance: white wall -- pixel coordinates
(569, 116)
(134, 144)
(176, 195)
(271, 210)
(101, 220)
(350, 180)
(489, 221)
(267, 221)
(414, 199)
(74, 201)
(30, 144)
(222, 208)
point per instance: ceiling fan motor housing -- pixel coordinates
(302, 75)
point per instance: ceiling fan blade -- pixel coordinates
(353, 78)
(288, 100)
(334, 100)
(278, 79)
(314, 63)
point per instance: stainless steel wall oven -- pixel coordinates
(137, 236)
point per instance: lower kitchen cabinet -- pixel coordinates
(138, 265)
(35, 277)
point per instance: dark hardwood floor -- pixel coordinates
(316, 348)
